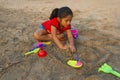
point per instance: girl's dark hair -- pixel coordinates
(61, 13)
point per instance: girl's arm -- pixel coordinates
(54, 37)
(71, 41)
(70, 37)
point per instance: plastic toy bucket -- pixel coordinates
(74, 33)
(42, 53)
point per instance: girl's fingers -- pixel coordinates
(73, 49)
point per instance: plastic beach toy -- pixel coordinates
(33, 51)
(74, 63)
(42, 53)
(38, 49)
(108, 69)
(41, 43)
(74, 33)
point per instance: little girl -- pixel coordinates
(53, 28)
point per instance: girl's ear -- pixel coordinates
(58, 19)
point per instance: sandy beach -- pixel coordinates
(98, 23)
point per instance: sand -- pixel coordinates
(98, 23)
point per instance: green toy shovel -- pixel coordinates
(33, 51)
(108, 69)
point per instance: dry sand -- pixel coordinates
(98, 22)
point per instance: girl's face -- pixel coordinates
(66, 21)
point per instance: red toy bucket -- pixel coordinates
(42, 53)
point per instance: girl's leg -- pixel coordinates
(59, 36)
(41, 34)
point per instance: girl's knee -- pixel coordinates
(36, 36)
(49, 35)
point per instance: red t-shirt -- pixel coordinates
(47, 25)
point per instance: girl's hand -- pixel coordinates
(65, 46)
(72, 48)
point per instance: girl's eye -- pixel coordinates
(66, 20)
